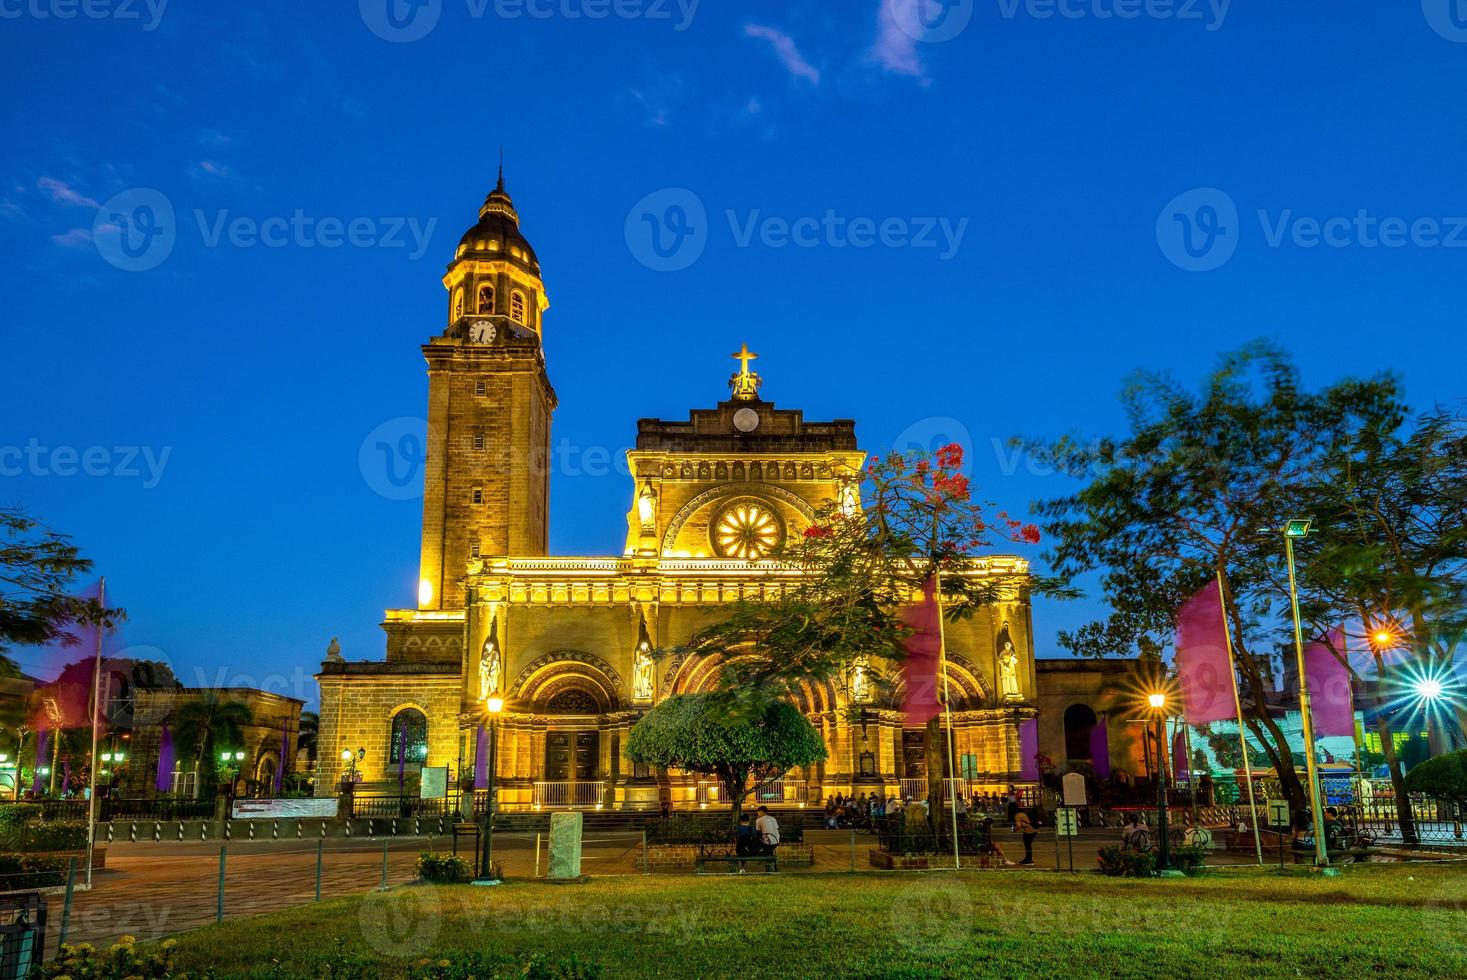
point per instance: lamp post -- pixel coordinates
(1157, 701)
(493, 704)
(1300, 529)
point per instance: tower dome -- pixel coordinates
(495, 272)
(497, 234)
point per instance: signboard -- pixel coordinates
(1278, 813)
(434, 785)
(1066, 822)
(1074, 789)
(311, 807)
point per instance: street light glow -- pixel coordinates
(1297, 528)
(1429, 688)
(494, 703)
(1157, 700)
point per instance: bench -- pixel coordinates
(720, 853)
(461, 829)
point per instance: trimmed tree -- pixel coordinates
(698, 733)
(1444, 777)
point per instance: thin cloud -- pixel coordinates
(76, 238)
(210, 168)
(63, 193)
(786, 51)
(896, 49)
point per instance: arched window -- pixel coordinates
(517, 306)
(409, 741)
(1080, 722)
(458, 303)
(486, 298)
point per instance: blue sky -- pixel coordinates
(970, 221)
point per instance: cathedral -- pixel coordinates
(563, 646)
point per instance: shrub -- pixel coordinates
(1119, 862)
(19, 871)
(1188, 859)
(445, 869)
(18, 814)
(122, 959)
(1444, 776)
(37, 836)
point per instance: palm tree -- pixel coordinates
(208, 721)
(310, 730)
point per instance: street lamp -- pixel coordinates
(1298, 529)
(1157, 701)
(493, 704)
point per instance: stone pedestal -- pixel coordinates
(641, 795)
(565, 846)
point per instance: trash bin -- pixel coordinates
(22, 933)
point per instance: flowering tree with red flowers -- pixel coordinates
(896, 525)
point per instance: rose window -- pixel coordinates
(747, 529)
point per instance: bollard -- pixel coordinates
(275, 830)
(300, 830)
(348, 828)
(228, 829)
(180, 830)
(219, 905)
(440, 825)
(132, 832)
(203, 830)
(394, 826)
(66, 906)
(320, 848)
(252, 829)
(157, 832)
(383, 887)
(323, 830)
(109, 832)
(417, 826)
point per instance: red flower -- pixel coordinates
(1030, 534)
(950, 457)
(818, 531)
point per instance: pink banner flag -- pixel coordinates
(924, 652)
(1203, 666)
(1330, 704)
(1029, 749)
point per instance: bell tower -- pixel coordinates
(486, 489)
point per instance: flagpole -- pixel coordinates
(947, 709)
(96, 720)
(1238, 704)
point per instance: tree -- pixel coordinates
(1392, 559)
(1444, 777)
(907, 520)
(697, 733)
(206, 723)
(37, 568)
(1198, 488)
(310, 731)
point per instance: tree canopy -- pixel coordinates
(697, 733)
(37, 569)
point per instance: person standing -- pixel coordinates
(1025, 826)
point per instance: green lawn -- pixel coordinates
(1387, 920)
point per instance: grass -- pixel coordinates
(1396, 921)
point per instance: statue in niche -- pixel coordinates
(860, 682)
(1008, 672)
(490, 663)
(642, 666)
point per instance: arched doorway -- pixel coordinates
(1080, 722)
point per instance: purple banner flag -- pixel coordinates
(1204, 668)
(1331, 706)
(1029, 749)
(1100, 749)
(163, 782)
(481, 761)
(1181, 768)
